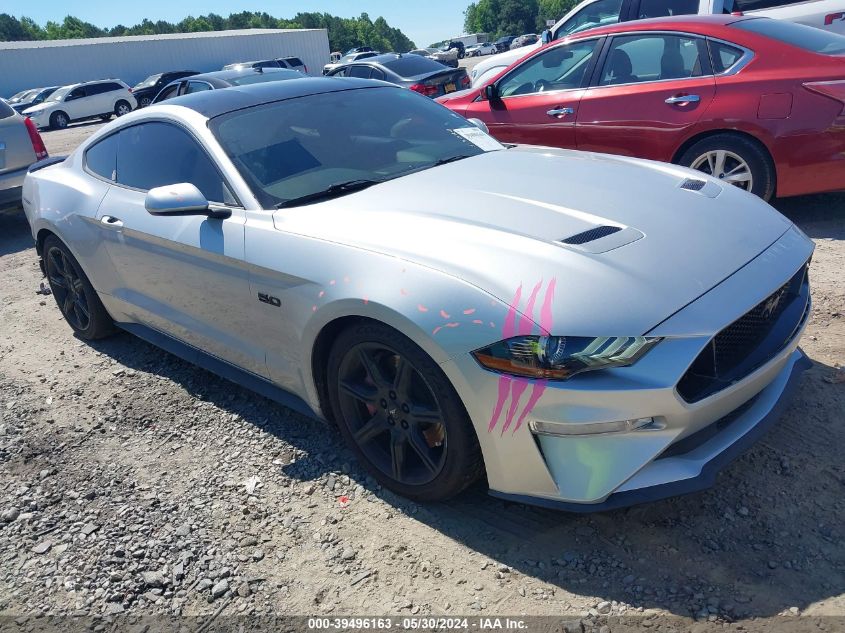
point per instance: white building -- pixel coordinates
(133, 58)
(470, 40)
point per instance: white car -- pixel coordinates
(588, 14)
(87, 100)
(477, 50)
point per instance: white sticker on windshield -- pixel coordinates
(478, 138)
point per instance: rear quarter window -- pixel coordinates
(724, 56)
(805, 37)
(101, 157)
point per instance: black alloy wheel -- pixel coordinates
(66, 284)
(400, 414)
(73, 292)
(393, 414)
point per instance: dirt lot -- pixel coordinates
(136, 483)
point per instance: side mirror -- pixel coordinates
(491, 93)
(481, 125)
(181, 199)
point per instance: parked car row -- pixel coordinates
(238, 76)
(420, 74)
(751, 101)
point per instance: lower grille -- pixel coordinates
(750, 341)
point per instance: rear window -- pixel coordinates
(294, 61)
(806, 37)
(412, 65)
(5, 110)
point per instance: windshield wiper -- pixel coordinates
(451, 159)
(335, 191)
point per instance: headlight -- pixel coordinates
(561, 357)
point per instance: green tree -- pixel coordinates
(553, 10)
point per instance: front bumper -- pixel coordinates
(696, 470)
(687, 443)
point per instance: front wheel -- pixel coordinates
(734, 159)
(59, 120)
(74, 294)
(122, 108)
(400, 415)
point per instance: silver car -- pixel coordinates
(20, 146)
(589, 331)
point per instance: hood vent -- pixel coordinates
(691, 184)
(592, 235)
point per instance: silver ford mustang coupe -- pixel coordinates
(587, 331)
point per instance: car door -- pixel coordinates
(94, 102)
(183, 276)
(538, 100)
(74, 103)
(650, 92)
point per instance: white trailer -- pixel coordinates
(133, 58)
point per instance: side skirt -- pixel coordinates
(221, 368)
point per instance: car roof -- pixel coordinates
(694, 23)
(212, 103)
(236, 73)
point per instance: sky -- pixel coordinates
(424, 22)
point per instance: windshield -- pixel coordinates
(300, 147)
(148, 82)
(60, 93)
(23, 94)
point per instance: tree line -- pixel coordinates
(513, 17)
(344, 33)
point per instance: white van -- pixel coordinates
(87, 100)
(823, 14)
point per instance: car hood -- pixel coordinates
(38, 108)
(497, 221)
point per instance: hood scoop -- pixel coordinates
(703, 187)
(602, 238)
(591, 235)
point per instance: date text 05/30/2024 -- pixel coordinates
(415, 624)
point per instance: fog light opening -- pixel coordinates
(590, 428)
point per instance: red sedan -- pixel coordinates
(754, 101)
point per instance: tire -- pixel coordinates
(734, 154)
(77, 300)
(144, 102)
(430, 456)
(105, 117)
(121, 108)
(59, 120)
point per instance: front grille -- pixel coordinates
(591, 235)
(750, 341)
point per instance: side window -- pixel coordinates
(560, 68)
(596, 14)
(377, 74)
(167, 93)
(641, 58)
(723, 56)
(101, 158)
(196, 86)
(755, 5)
(94, 89)
(363, 72)
(342, 72)
(111, 87)
(158, 154)
(664, 8)
(76, 93)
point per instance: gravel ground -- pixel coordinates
(135, 483)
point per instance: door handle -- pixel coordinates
(683, 99)
(111, 222)
(557, 112)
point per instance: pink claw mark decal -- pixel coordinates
(322, 294)
(422, 308)
(510, 386)
(469, 311)
(445, 315)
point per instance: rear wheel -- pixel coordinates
(736, 160)
(144, 102)
(59, 120)
(74, 294)
(401, 416)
